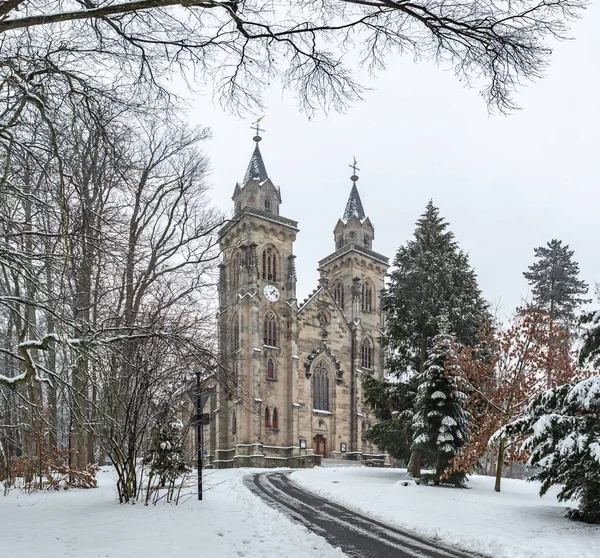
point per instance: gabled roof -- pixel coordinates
(354, 207)
(256, 168)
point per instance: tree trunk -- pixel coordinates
(414, 464)
(499, 466)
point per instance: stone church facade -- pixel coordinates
(294, 369)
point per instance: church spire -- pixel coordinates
(256, 168)
(354, 207)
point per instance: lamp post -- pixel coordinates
(201, 419)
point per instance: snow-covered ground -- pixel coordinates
(516, 523)
(229, 522)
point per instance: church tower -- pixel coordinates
(355, 275)
(257, 303)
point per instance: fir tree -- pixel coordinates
(440, 420)
(554, 283)
(167, 457)
(590, 324)
(562, 426)
(432, 281)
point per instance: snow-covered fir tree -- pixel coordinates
(167, 457)
(563, 435)
(432, 281)
(555, 284)
(590, 334)
(440, 420)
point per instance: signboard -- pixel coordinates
(302, 443)
(202, 419)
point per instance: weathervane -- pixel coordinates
(256, 129)
(354, 168)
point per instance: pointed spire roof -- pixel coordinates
(354, 207)
(256, 168)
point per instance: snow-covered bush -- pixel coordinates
(166, 458)
(562, 428)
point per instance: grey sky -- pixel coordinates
(505, 184)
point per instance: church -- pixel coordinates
(294, 391)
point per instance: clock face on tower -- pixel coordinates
(271, 293)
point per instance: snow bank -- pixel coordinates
(516, 523)
(229, 522)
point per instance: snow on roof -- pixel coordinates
(256, 168)
(354, 207)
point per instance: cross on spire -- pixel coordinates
(354, 168)
(257, 129)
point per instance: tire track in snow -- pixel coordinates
(357, 535)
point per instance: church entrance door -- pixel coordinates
(319, 445)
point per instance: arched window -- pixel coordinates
(339, 242)
(320, 385)
(236, 269)
(235, 332)
(270, 330)
(233, 423)
(270, 369)
(366, 240)
(275, 423)
(267, 418)
(267, 204)
(338, 293)
(367, 297)
(269, 264)
(251, 201)
(366, 354)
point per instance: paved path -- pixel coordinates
(357, 535)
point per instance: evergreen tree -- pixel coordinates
(440, 421)
(554, 283)
(167, 457)
(590, 323)
(562, 426)
(393, 407)
(432, 281)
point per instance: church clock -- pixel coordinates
(271, 293)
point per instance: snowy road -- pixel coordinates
(357, 535)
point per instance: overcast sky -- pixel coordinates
(506, 184)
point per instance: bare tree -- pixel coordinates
(238, 46)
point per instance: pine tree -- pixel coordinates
(432, 281)
(562, 426)
(167, 457)
(590, 325)
(440, 420)
(554, 283)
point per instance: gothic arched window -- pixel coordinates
(267, 204)
(339, 242)
(236, 269)
(366, 354)
(320, 385)
(270, 330)
(269, 264)
(338, 293)
(270, 369)
(275, 423)
(235, 332)
(366, 240)
(367, 297)
(251, 201)
(267, 418)
(233, 423)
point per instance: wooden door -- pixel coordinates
(319, 445)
